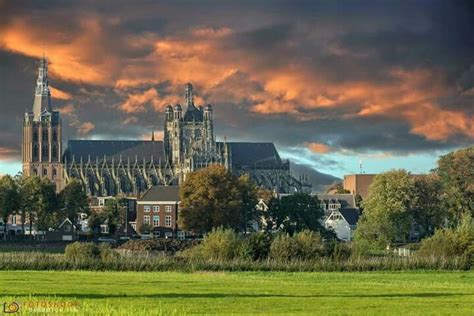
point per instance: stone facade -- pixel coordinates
(112, 167)
(42, 134)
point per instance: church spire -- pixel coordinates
(42, 100)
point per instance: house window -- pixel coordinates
(168, 208)
(55, 172)
(55, 136)
(35, 136)
(323, 206)
(156, 208)
(146, 209)
(101, 202)
(156, 220)
(45, 172)
(333, 206)
(13, 219)
(104, 229)
(168, 221)
(67, 228)
(146, 220)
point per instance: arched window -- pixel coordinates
(35, 151)
(54, 152)
(45, 172)
(35, 135)
(45, 135)
(44, 152)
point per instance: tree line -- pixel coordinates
(399, 204)
(38, 204)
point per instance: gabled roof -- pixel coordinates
(351, 215)
(161, 193)
(254, 154)
(346, 200)
(67, 220)
(116, 149)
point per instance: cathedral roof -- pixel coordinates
(116, 149)
(254, 154)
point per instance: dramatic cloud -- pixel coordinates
(348, 78)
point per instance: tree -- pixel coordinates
(387, 209)
(73, 201)
(31, 196)
(428, 211)
(297, 212)
(456, 173)
(47, 207)
(112, 214)
(337, 188)
(212, 197)
(249, 201)
(9, 199)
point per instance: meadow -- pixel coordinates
(227, 293)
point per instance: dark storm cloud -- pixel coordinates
(293, 72)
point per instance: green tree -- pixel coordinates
(296, 212)
(73, 201)
(248, 192)
(337, 188)
(47, 207)
(387, 213)
(213, 197)
(428, 211)
(9, 199)
(112, 214)
(456, 173)
(31, 197)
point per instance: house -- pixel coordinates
(343, 222)
(66, 231)
(157, 211)
(332, 202)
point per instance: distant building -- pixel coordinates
(343, 222)
(158, 208)
(358, 184)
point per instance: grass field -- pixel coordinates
(168, 293)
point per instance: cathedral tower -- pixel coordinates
(42, 134)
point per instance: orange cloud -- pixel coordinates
(319, 148)
(139, 102)
(85, 128)
(59, 94)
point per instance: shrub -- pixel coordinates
(220, 245)
(283, 248)
(361, 248)
(161, 244)
(107, 253)
(258, 245)
(81, 251)
(451, 242)
(309, 245)
(342, 251)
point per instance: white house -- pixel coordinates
(343, 222)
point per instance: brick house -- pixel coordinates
(158, 208)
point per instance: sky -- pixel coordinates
(331, 83)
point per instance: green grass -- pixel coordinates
(245, 293)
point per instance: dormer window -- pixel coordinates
(334, 206)
(323, 206)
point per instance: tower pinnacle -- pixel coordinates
(42, 100)
(188, 95)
